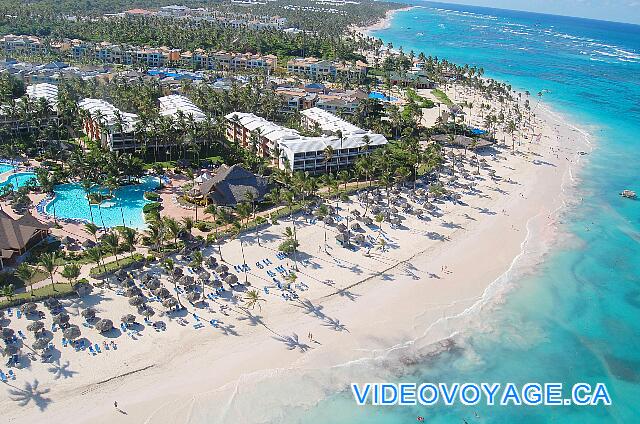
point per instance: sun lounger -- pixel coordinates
(198, 325)
(214, 323)
(64, 342)
(97, 348)
(12, 375)
(10, 312)
(106, 345)
(18, 314)
(21, 334)
(86, 324)
(196, 317)
(266, 290)
(114, 345)
(91, 350)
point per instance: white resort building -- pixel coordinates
(174, 105)
(290, 150)
(105, 123)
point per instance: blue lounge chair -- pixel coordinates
(91, 350)
(195, 317)
(18, 314)
(97, 348)
(266, 290)
(3, 377)
(12, 375)
(214, 323)
(21, 334)
(64, 342)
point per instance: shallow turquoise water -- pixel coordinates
(19, 179)
(576, 318)
(125, 208)
(5, 168)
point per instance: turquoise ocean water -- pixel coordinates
(577, 316)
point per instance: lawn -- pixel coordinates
(442, 97)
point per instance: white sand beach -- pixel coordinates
(356, 306)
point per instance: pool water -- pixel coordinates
(380, 96)
(5, 168)
(19, 179)
(70, 202)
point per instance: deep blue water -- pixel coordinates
(577, 318)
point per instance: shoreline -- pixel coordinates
(383, 23)
(233, 364)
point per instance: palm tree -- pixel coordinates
(213, 211)
(129, 236)
(253, 299)
(26, 273)
(71, 272)
(48, 262)
(112, 242)
(8, 291)
(173, 229)
(95, 255)
(328, 155)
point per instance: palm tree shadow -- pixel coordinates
(229, 330)
(31, 393)
(335, 324)
(292, 342)
(61, 370)
(348, 294)
(252, 320)
(311, 309)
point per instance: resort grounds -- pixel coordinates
(412, 281)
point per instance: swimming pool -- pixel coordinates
(19, 179)
(70, 202)
(5, 168)
(381, 96)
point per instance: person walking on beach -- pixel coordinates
(115, 404)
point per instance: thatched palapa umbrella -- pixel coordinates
(367, 221)
(128, 283)
(146, 311)
(40, 344)
(231, 279)
(186, 280)
(128, 319)
(29, 308)
(72, 332)
(10, 349)
(7, 333)
(170, 302)
(328, 220)
(52, 303)
(193, 297)
(104, 325)
(152, 284)
(88, 313)
(61, 319)
(133, 291)
(221, 269)
(35, 326)
(162, 293)
(136, 301)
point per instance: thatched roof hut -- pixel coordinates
(104, 325)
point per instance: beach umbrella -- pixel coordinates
(88, 313)
(231, 279)
(212, 262)
(28, 308)
(177, 272)
(204, 276)
(40, 344)
(170, 302)
(52, 303)
(133, 291)
(146, 277)
(61, 319)
(82, 289)
(146, 311)
(66, 240)
(162, 292)
(7, 333)
(88, 244)
(128, 319)
(186, 280)
(367, 220)
(35, 326)
(355, 212)
(121, 274)
(341, 227)
(395, 221)
(10, 349)
(128, 283)
(221, 269)
(193, 297)
(152, 284)
(72, 332)
(136, 301)
(104, 325)
(328, 220)
(359, 238)
(356, 227)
